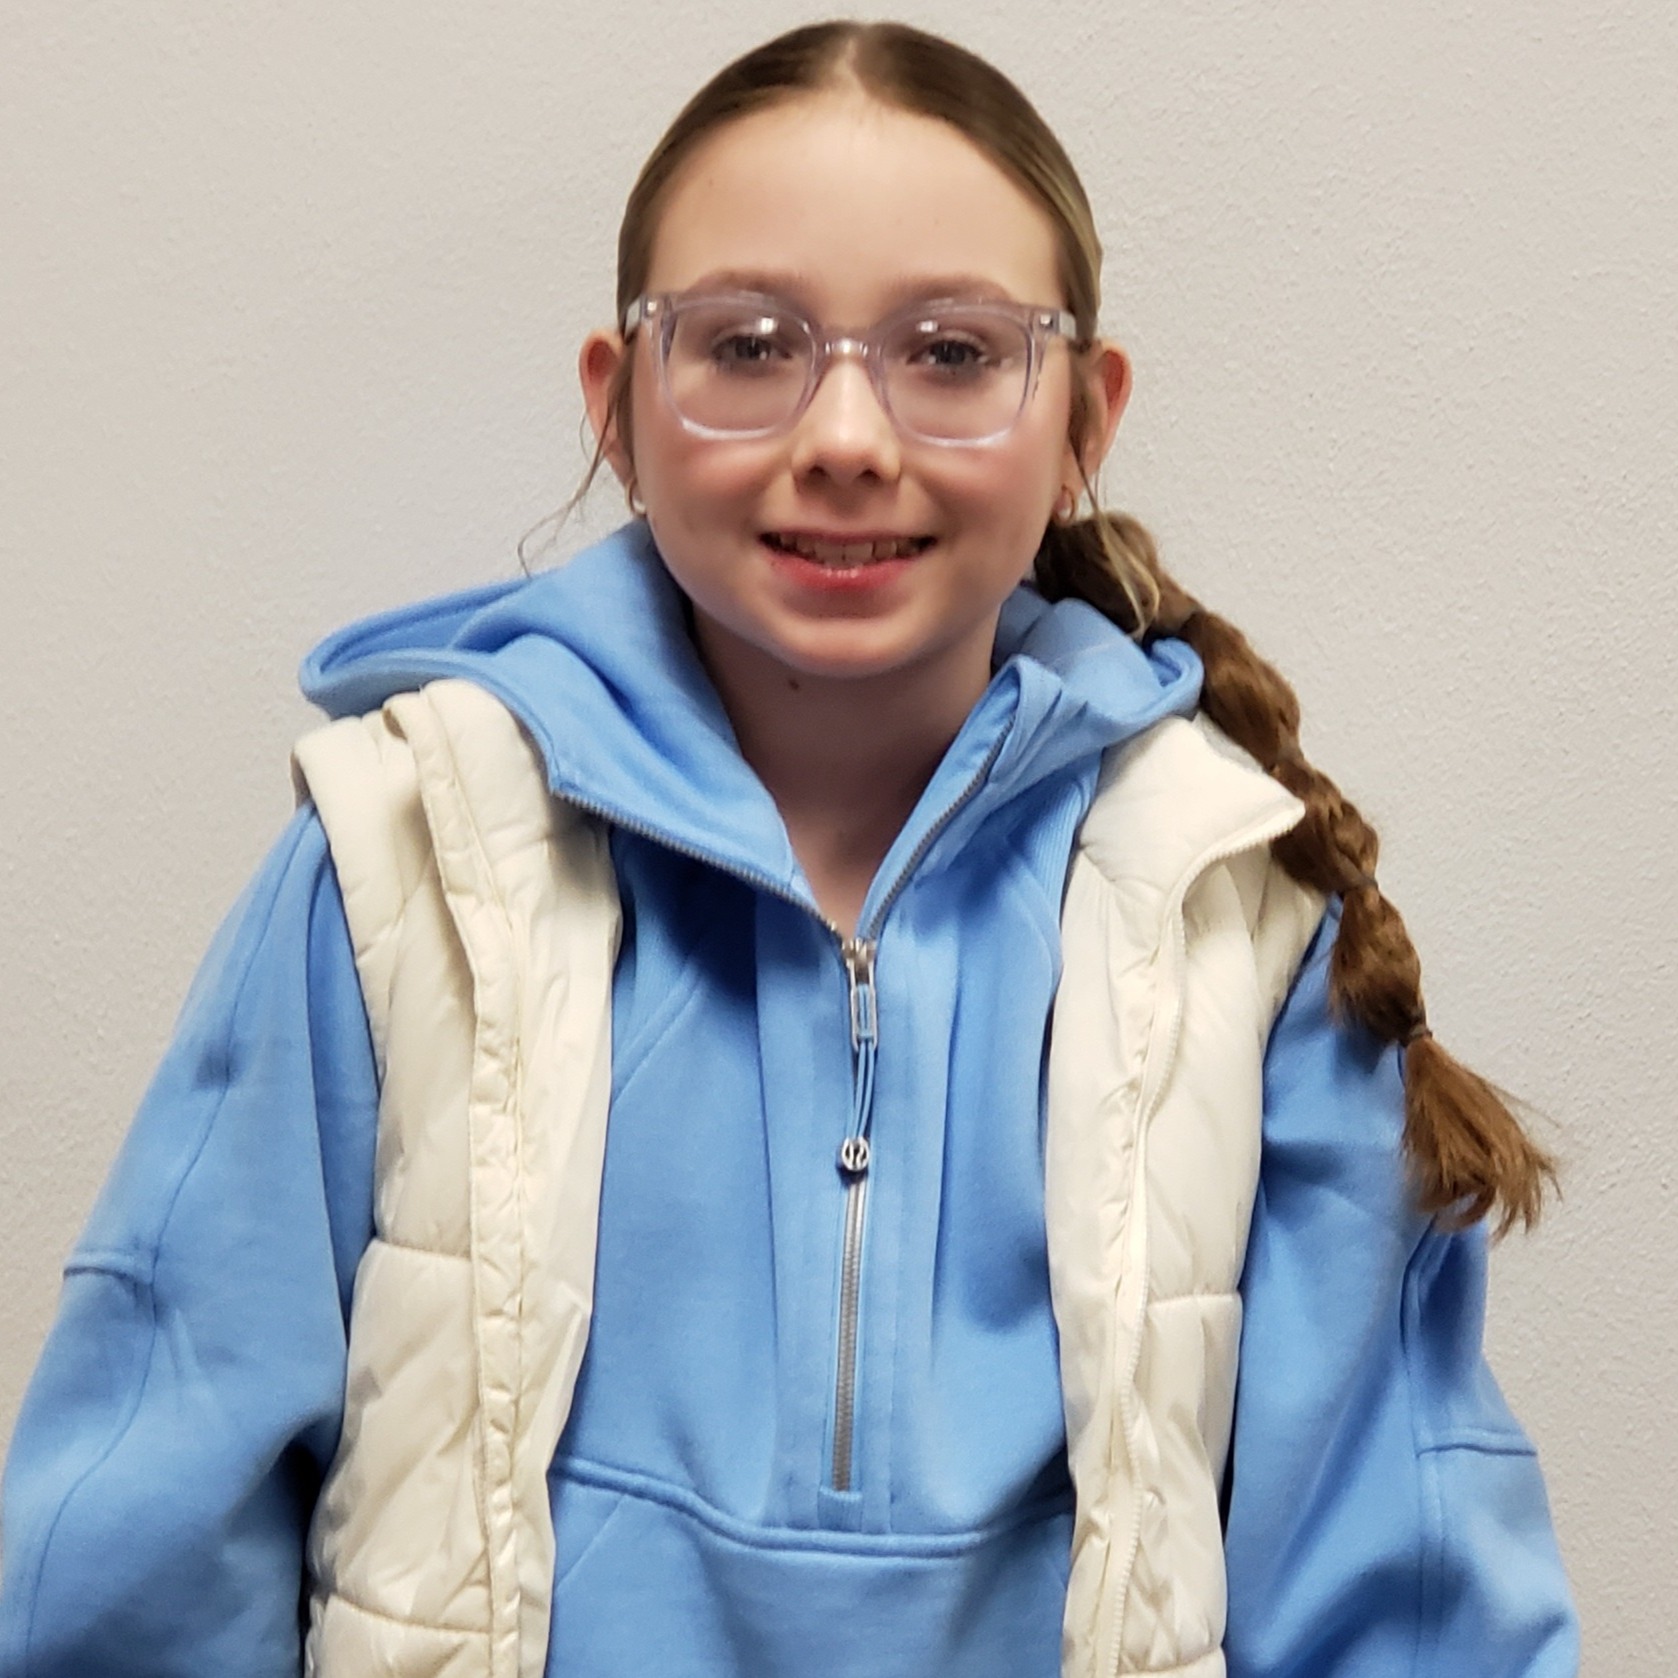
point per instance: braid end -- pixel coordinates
(1468, 1153)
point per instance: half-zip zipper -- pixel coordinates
(855, 1157)
(854, 1160)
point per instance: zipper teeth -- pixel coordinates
(850, 1288)
(1260, 833)
(853, 1164)
(928, 839)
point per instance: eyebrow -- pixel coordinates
(796, 287)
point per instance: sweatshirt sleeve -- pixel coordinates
(188, 1400)
(1386, 1515)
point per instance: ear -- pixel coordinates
(1106, 372)
(597, 365)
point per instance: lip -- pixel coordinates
(802, 533)
(814, 577)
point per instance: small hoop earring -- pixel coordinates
(632, 496)
(1066, 503)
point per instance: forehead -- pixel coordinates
(850, 206)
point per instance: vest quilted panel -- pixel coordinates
(412, 1377)
(346, 1639)
(1165, 1005)
(487, 971)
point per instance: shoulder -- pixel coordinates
(1182, 815)
(1184, 784)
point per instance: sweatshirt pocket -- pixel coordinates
(581, 1515)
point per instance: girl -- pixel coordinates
(1035, 1229)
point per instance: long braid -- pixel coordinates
(1468, 1153)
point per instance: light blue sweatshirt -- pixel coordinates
(1386, 1518)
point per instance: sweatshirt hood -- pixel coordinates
(596, 661)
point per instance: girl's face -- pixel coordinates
(848, 209)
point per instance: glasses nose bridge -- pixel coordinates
(864, 350)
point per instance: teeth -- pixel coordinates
(842, 554)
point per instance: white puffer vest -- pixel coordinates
(484, 917)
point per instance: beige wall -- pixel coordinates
(289, 301)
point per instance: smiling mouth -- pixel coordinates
(847, 556)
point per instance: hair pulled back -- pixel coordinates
(1468, 1154)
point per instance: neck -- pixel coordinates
(845, 759)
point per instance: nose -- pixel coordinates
(844, 433)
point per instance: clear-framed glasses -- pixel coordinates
(737, 364)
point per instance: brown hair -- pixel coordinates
(1468, 1153)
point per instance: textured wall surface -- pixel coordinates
(289, 304)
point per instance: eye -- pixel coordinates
(953, 353)
(728, 342)
(956, 350)
(742, 349)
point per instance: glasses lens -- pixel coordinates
(734, 364)
(958, 374)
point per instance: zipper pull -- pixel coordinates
(854, 1152)
(853, 1157)
(859, 968)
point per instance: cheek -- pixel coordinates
(681, 475)
(1017, 482)
(1033, 460)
